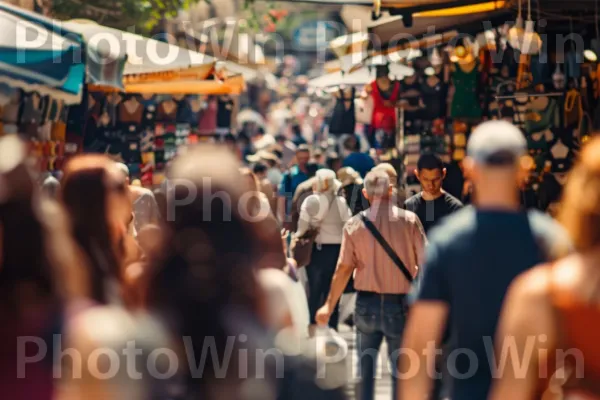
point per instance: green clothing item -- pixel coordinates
(465, 103)
(549, 119)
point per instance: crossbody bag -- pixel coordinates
(386, 246)
(301, 247)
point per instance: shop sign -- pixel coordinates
(316, 35)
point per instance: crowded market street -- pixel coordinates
(299, 199)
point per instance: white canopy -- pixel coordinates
(362, 76)
(144, 55)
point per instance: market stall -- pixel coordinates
(170, 97)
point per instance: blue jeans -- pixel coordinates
(377, 317)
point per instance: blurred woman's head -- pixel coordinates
(95, 196)
(580, 208)
(32, 246)
(206, 280)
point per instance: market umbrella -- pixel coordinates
(33, 58)
(102, 67)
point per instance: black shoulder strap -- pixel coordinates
(386, 246)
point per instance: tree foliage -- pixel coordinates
(144, 15)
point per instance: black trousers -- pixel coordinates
(320, 273)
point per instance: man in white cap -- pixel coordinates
(472, 258)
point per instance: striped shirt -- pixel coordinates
(375, 270)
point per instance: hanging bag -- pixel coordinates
(301, 247)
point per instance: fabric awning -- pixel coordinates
(144, 56)
(233, 86)
(361, 76)
(393, 30)
(101, 68)
(33, 58)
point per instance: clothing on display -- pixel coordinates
(410, 90)
(167, 111)
(343, 119)
(207, 124)
(465, 102)
(225, 105)
(434, 92)
(31, 115)
(131, 111)
(573, 108)
(384, 111)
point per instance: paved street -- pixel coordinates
(383, 390)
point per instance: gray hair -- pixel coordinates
(124, 169)
(377, 184)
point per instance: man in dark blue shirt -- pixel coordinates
(472, 258)
(360, 162)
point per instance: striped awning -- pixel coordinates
(33, 58)
(101, 68)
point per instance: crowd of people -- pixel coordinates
(220, 283)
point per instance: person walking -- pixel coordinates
(355, 159)
(558, 301)
(385, 246)
(472, 258)
(432, 203)
(326, 212)
(297, 174)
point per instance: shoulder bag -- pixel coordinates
(386, 246)
(301, 247)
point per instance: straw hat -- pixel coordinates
(348, 175)
(262, 155)
(462, 55)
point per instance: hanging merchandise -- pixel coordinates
(384, 112)
(385, 94)
(167, 110)
(343, 118)
(465, 79)
(225, 112)
(150, 109)
(502, 85)
(573, 112)
(410, 93)
(540, 68)
(10, 114)
(525, 39)
(207, 125)
(434, 93)
(460, 131)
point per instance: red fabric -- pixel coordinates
(384, 118)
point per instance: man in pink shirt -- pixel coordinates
(385, 246)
